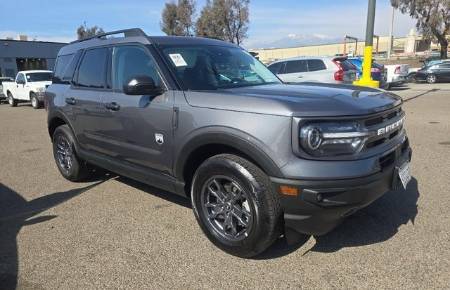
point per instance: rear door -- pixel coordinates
(295, 71)
(84, 98)
(137, 129)
(317, 71)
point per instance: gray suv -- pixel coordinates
(204, 119)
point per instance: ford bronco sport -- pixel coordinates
(204, 119)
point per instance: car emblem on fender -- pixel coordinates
(159, 138)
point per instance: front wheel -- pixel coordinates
(431, 79)
(11, 101)
(235, 205)
(35, 101)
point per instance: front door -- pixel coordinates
(20, 91)
(138, 128)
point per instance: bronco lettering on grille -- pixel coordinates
(390, 127)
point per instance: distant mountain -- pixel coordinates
(293, 40)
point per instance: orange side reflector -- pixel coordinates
(289, 190)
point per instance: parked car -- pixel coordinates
(315, 69)
(439, 72)
(396, 74)
(204, 119)
(377, 71)
(29, 86)
(4, 79)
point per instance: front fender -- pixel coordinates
(227, 136)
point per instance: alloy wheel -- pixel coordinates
(226, 206)
(64, 153)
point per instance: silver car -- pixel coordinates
(315, 69)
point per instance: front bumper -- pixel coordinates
(321, 205)
(40, 96)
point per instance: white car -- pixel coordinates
(396, 74)
(315, 69)
(28, 86)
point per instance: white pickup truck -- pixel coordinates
(29, 86)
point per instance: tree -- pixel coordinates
(224, 19)
(433, 18)
(210, 24)
(84, 32)
(177, 18)
(169, 23)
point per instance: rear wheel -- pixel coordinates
(67, 161)
(11, 101)
(431, 79)
(35, 101)
(235, 205)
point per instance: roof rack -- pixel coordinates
(126, 32)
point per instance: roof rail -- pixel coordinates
(127, 33)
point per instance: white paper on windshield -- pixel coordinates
(178, 59)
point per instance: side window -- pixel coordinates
(131, 61)
(65, 68)
(296, 66)
(315, 65)
(445, 66)
(61, 64)
(92, 69)
(20, 78)
(275, 68)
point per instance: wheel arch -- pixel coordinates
(205, 145)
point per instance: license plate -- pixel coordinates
(405, 174)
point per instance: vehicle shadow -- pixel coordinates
(376, 223)
(420, 95)
(168, 196)
(15, 213)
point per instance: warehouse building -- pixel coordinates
(18, 55)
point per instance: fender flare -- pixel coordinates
(230, 137)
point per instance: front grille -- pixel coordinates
(381, 121)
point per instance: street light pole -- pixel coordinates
(391, 34)
(366, 79)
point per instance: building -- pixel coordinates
(17, 55)
(409, 45)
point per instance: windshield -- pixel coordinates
(216, 67)
(39, 77)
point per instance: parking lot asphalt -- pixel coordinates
(117, 233)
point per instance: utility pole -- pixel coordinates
(366, 79)
(391, 34)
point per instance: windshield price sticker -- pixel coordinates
(178, 59)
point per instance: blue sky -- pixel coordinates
(273, 23)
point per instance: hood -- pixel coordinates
(307, 100)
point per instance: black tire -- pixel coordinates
(67, 161)
(11, 101)
(35, 101)
(262, 206)
(431, 79)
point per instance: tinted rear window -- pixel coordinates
(65, 68)
(315, 65)
(92, 70)
(295, 66)
(346, 65)
(276, 67)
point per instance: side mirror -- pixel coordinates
(142, 85)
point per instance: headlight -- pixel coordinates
(40, 90)
(332, 139)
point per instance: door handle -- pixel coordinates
(112, 106)
(71, 101)
(300, 77)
